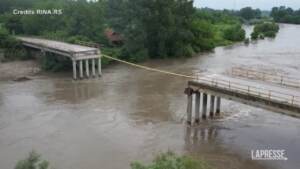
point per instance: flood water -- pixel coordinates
(131, 114)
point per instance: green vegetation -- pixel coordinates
(248, 13)
(11, 47)
(148, 28)
(286, 15)
(163, 161)
(171, 161)
(33, 161)
(221, 23)
(267, 29)
(234, 33)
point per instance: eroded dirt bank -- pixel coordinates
(17, 69)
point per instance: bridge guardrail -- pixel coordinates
(252, 90)
(265, 76)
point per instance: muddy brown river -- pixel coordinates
(132, 114)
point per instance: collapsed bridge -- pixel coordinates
(83, 57)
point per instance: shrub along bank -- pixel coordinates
(266, 29)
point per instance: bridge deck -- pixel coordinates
(264, 95)
(62, 48)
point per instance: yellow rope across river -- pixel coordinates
(149, 68)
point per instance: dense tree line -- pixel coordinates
(286, 15)
(249, 13)
(149, 28)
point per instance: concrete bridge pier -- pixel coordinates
(87, 68)
(204, 106)
(212, 106)
(194, 103)
(189, 93)
(74, 69)
(81, 69)
(99, 67)
(93, 68)
(197, 107)
(84, 66)
(218, 109)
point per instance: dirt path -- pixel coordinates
(17, 69)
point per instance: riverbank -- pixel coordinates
(16, 69)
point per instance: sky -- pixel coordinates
(237, 4)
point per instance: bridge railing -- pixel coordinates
(251, 90)
(265, 76)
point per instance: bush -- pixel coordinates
(33, 161)
(12, 47)
(234, 33)
(77, 39)
(171, 161)
(266, 29)
(57, 35)
(6, 40)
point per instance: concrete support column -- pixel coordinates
(197, 107)
(74, 70)
(99, 67)
(218, 111)
(204, 106)
(93, 67)
(212, 106)
(189, 93)
(87, 68)
(80, 69)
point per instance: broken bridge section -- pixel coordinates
(283, 101)
(83, 57)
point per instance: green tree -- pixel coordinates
(285, 15)
(33, 161)
(234, 33)
(249, 13)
